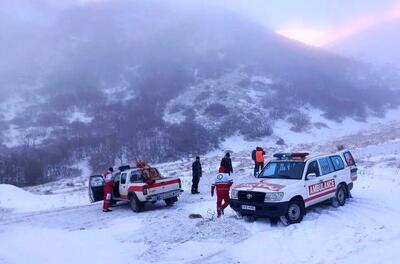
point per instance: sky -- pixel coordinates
(315, 22)
(318, 22)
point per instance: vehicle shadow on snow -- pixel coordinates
(149, 207)
(312, 214)
(326, 208)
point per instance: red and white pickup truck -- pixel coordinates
(137, 185)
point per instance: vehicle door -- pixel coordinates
(341, 174)
(123, 185)
(96, 188)
(351, 165)
(323, 186)
(312, 178)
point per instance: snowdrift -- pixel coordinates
(14, 198)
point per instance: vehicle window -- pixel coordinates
(135, 176)
(269, 170)
(123, 178)
(337, 162)
(313, 168)
(349, 158)
(283, 170)
(117, 176)
(96, 181)
(326, 166)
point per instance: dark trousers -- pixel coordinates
(195, 184)
(258, 166)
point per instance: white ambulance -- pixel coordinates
(291, 182)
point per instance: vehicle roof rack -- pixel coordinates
(291, 156)
(124, 167)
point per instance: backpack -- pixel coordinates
(253, 155)
(259, 156)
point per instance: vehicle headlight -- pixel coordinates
(234, 194)
(273, 196)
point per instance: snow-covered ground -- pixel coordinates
(64, 228)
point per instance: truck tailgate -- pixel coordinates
(164, 185)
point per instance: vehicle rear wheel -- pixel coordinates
(135, 204)
(171, 201)
(294, 213)
(341, 195)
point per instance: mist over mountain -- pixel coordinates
(376, 45)
(126, 80)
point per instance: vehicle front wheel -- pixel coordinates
(294, 213)
(171, 201)
(135, 204)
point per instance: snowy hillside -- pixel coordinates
(365, 230)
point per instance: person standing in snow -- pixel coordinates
(226, 163)
(196, 175)
(222, 185)
(258, 160)
(108, 187)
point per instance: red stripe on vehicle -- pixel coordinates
(154, 185)
(135, 189)
(319, 195)
(159, 184)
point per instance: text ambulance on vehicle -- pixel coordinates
(137, 185)
(292, 182)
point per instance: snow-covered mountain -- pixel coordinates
(116, 82)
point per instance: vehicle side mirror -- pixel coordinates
(311, 176)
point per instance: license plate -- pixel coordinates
(248, 207)
(164, 196)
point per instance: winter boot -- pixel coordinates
(219, 212)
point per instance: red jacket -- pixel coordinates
(108, 182)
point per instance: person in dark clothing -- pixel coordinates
(258, 160)
(196, 173)
(226, 163)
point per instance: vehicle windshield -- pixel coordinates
(283, 170)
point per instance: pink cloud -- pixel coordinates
(361, 24)
(318, 37)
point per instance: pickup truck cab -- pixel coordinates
(292, 182)
(137, 185)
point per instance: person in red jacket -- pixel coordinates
(258, 160)
(222, 185)
(108, 187)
